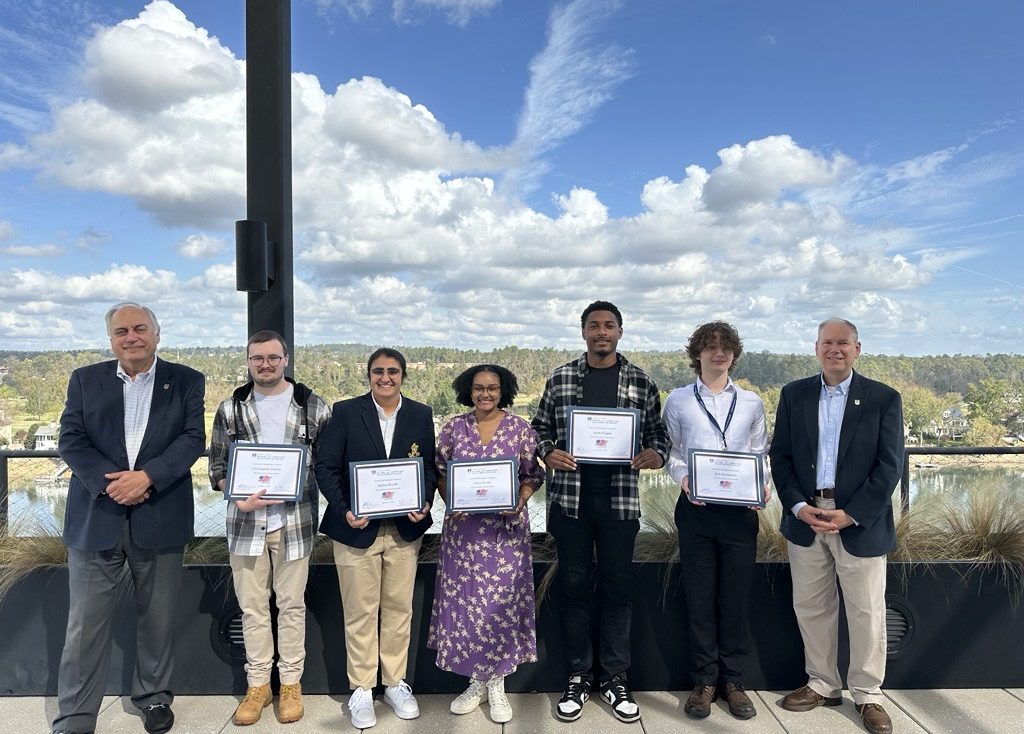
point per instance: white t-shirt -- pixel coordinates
(272, 411)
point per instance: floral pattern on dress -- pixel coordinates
(483, 621)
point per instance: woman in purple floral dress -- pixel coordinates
(483, 621)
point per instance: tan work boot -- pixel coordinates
(251, 708)
(289, 703)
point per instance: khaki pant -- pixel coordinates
(253, 577)
(376, 587)
(816, 603)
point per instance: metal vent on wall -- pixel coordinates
(226, 636)
(899, 626)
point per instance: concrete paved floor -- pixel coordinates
(971, 711)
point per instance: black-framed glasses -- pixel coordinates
(273, 360)
(489, 389)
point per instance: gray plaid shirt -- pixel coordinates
(247, 531)
(564, 388)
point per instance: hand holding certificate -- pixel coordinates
(603, 435)
(726, 477)
(390, 488)
(279, 469)
(489, 485)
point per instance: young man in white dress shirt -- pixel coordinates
(717, 543)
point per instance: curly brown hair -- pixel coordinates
(706, 335)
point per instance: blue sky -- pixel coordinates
(474, 172)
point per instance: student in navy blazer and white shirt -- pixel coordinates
(376, 559)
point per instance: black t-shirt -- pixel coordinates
(600, 390)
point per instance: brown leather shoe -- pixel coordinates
(699, 703)
(289, 703)
(875, 719)
(251, 708)
(806, 698)
(739, 702)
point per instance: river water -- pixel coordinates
(37, 505)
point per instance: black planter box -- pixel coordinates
(952, 625)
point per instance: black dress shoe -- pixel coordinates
(159, 718)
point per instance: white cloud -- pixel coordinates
(569, 80)
(400, 237)
(157, 60)
(32, 250)
(459, 12)
(199, 246)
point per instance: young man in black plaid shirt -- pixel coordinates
(597, 505)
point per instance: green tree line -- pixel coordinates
(986, 391)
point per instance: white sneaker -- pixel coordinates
(501, 711)
(360, 708)
(469, 699)
(400, 698)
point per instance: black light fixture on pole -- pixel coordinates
(263, 240)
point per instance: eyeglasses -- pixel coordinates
(273, 360)
(390, 372)
(489, 389)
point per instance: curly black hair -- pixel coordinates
(463, 385)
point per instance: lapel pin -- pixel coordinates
(167, 386)
(855, 402)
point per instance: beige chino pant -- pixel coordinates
(253, 578)
(816, 603)
(376, 591)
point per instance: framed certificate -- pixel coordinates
(389, 488)
(727, 477)
(278, 468)
(603, 435)
(488, 485)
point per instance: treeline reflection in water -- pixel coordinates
(37, 500)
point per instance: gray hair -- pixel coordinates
(836, 320)
(109, 318)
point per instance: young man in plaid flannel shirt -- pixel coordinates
(270, 540)
(597, 505)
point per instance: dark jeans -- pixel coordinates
(93, 577)
(575, 540)
(717, 572)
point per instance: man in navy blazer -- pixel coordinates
(376, 559)
(130, 431)
(836, 457)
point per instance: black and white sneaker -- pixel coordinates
(577, 693)
(615, 693)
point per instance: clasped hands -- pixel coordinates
(564, 461)
(129, 487)
(824, 522)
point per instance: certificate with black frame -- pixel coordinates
(727, 477)
(389, 488)
(484, 485)
(603, 435)
(278, 468)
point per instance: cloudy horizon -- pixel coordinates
(488, 205)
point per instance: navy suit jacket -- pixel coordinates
(92, 443)
(353, 434)
(869, 466)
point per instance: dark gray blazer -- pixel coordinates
(869, 466)
(353, 434)
(92, 443)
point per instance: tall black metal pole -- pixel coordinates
(268, 54)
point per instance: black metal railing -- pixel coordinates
(7, 454)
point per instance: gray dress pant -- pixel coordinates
(93, 579)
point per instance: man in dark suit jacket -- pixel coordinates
(837, 455)
(130, 431)
(376, 559)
